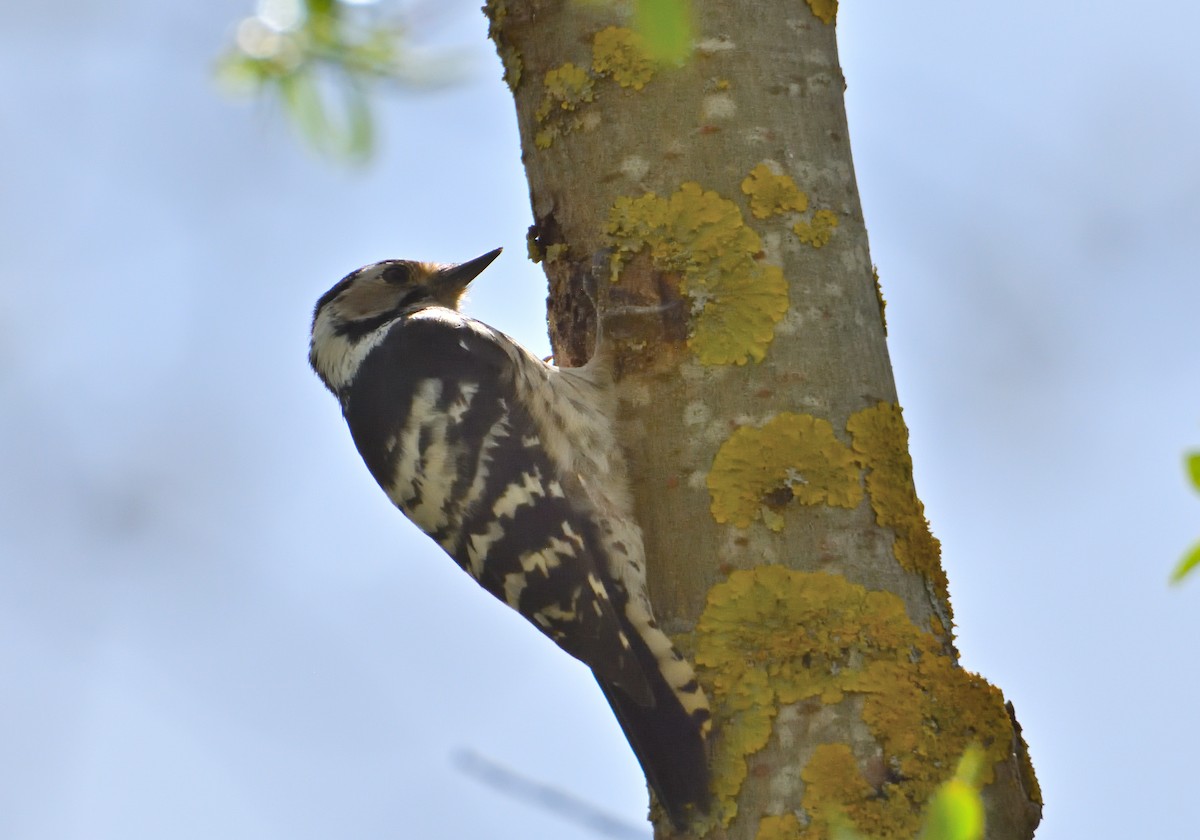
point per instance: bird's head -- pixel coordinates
(370, 297)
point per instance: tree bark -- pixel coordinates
(709, 210)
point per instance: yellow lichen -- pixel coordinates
(819, 231)
(881, 439)
(532, 248)
(781, 827)
(796, 454)
(826, 10)
(745, 729)
(771, 636)
(929, 715)
(621, 54)
(617, 53)
(1025, 765)
(513, 65)
(771, 194)
(799, 456)
(510, 58)
(537, 254)
(566, 87)
(737, 300)
(936, 627)
(833, 767)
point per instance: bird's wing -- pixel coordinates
(434, 410)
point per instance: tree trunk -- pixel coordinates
(709, 210)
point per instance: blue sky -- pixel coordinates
(212, 624)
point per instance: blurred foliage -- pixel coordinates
(954, 813)
(1192, 559)
(321, 58)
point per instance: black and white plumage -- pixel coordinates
(510, 464)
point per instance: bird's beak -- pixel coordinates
(452, 281)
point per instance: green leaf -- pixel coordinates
(379, 48)
(303, 104)
(666, 27)
(956, 813)
(971, 766)
(239, 73)
(360, 133)
(956, 810)
(1193, 468)
(321, 8)
(323, 69)
(1190, 561)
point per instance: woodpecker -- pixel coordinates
(510, 464)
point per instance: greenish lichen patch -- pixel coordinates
(772, 194)
(618, 54)
(532, 247)
(545, 137)
(819, 230)
(510, 57)
(736, 299)
(798, 453)
(833, 767)
(621, 54)
(880, 438)
(565, 88)
(778, 827)
(825, 10)
(550, 254)
(1025, 765)
(772, 636)
(956, 809)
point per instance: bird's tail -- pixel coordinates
(668, 742)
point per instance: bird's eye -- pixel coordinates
(399, 273)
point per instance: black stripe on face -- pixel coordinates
(392, 271)
(338, 287)
(359, 328)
